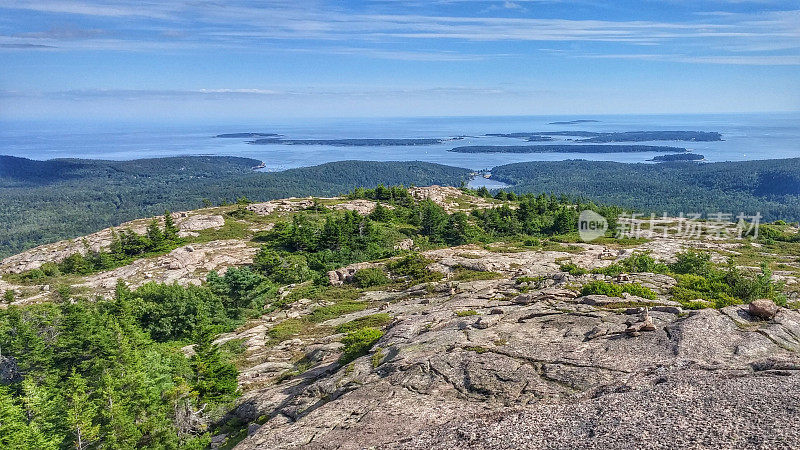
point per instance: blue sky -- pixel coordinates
(308, 58)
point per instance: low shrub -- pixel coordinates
(373, 321)
(357, 343)
(573, 269)
(415, 267)
(371, 276)
(601, 288)
(616, 290)
(692, 263)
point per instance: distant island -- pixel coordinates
(246, 135)
(530, 137)
(573, 122)
(678, 157)
(350, 142)
(636, 136)
(624, 136)
(564, 149)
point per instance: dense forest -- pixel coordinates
(44, 201)
(49, 200)
(771, 187)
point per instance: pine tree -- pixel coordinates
(119, 425)
(81, 413)
(216, 379)
(43, 412)
(155, 235)
(15, 432)
(170, 229)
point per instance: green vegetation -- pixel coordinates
(616, 290)
(638, 262)
(373, 321)
(466, 313)
(771, 187)
(125, 247)
(357, 343)
(110, 373)
(573, 269)
(413, 267)
(679, 157)
(370, 277)
(726, 287)
(41, 199)
(324, 313)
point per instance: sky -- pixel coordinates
(176, 60)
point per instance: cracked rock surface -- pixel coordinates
(551, 372)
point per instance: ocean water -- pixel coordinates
(745, 137)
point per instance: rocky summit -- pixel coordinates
(504, 343)
(479, 365)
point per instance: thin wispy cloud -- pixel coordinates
(453, 51)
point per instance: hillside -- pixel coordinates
(395, 318)
(771, 187)
(45, 201)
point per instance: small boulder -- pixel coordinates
(763, 308)
(485, 322)
(524, 299)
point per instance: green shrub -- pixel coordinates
(601, 288)
(725, 288)
(466, 313)
(357, 343)
(415, 267)
(573, 269)
(372, 276)
(616, 290)
(9, 295)
(690, 262)
(286, 330)
(373, 321)
(639, 291)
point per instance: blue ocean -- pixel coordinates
(745, 137)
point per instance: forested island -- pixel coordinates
(246, 135)
(564, 149)
(350, 142)
(530, 137)
(626, 136)
(637, 136)
(679, 157)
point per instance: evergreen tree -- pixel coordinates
(15, 433)
(43, 410)
(155, 235)
(81, 413)
(381, 213)
(215, 378)
(170, 229)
